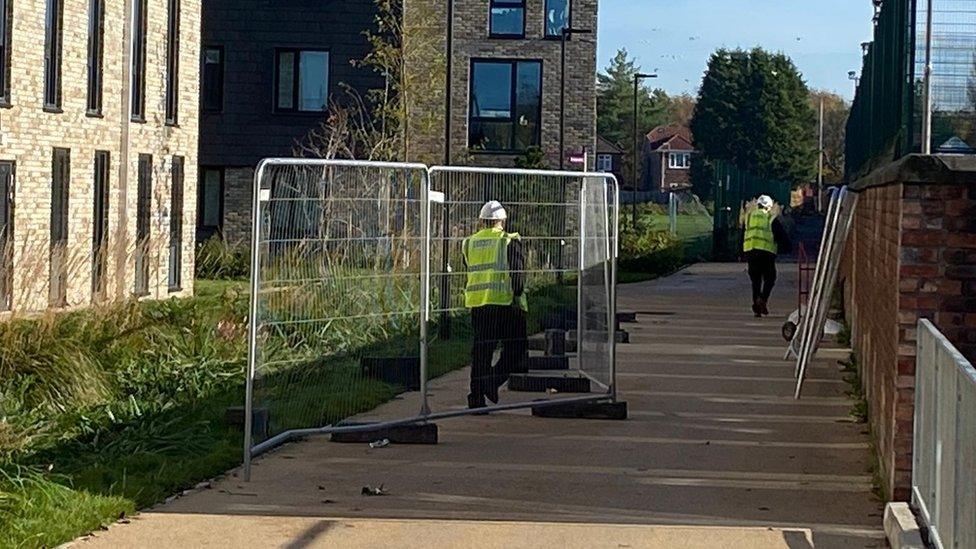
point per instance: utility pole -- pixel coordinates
(633, 184)
(820, 160)
(566, 33)
(927, 93)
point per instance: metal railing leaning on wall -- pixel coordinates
(886, 117)
(944, 454)
(809, 333)
(354, 264)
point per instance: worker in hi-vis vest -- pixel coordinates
(495, 293)
(764, 237)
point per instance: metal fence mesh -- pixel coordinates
(358, 290)
(338, 299)
(886, 117)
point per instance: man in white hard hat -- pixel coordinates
(764, 238)
(495, 293)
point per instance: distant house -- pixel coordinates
(610, 159)
(668, 151)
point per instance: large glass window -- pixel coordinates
(143, 213)
(53, 38)
(210, 207)
(557, 17)
(100, 225)
(96, 47)
(176, 226)
(6, 233)
(507, 18)
(139, 61)
(213, 79)
(60, 182)
(6, 26)
(505, 106)
(173, 62)
(303, 81)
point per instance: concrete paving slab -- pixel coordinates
(716, 453)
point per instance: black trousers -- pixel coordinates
(496, 325)
(762, 272)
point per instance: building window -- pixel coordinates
(53, 38)
(505, 106)
(6, 234)
(176, 226)
(143, 206)
(557, 17)
(303, 81)
(100, 225)
(6, 28)
(507, 19)
(604, 163)
(96, 47)
(138, 97)
(60, 182)
(210, 207)
(173, 62)
(679, 161)
(213, 79)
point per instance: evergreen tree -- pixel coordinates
(754, 110)
(615, 105)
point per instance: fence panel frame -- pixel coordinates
(260, 196)
(944, 447)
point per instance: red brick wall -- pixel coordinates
(912, 255)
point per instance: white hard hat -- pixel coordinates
(493, 211)
(765, 202)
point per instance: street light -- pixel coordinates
(566, 33)
(637, 79)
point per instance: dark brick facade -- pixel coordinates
(911, 255)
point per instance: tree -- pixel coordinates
(615, 105)
(836, 111)
(754, 110)
(681, 108)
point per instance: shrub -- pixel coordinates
(218, 260)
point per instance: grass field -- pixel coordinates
(104, 412)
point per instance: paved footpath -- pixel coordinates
(716, 454)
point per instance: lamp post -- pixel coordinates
(637, 79)
(853, 77)
(566, 33)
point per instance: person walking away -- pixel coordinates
(765, 237)
(495, 294)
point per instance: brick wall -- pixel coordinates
(471, 40)
(911, 255)
(28, 135)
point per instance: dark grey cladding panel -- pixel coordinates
(248, 129)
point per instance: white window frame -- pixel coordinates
(604, 163)
(673, 160)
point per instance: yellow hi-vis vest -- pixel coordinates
(489, 276)
(759, 232)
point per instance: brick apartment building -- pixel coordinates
(97, 175)
(505, 76)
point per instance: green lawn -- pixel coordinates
(104, 412)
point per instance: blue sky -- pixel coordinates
(822, 36)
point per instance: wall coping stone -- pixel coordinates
(936, 169)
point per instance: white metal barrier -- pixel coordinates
(806, 340)
(355, 264)
(944, 454)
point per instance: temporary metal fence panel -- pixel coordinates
(357, 286)
(336, 311)
(944, 455)
(810, 333)
(567, 226)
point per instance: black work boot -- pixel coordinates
(763, 307)
(756, 308)
(476, 402)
